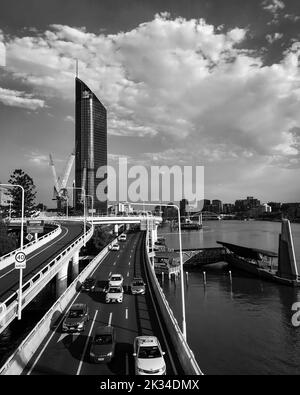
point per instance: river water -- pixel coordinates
(241, 326)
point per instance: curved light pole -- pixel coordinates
(21, 244)
(84, 210)
(181, 260)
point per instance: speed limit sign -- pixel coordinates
(20, 260)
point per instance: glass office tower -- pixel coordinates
(91, 147)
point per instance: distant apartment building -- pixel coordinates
(216, 206)
(184, 207)
(243, 205)
(276, 207)
(228, 208)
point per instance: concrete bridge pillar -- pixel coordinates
(75, 265)
(62, 280)
(127, 226)
(116, 229)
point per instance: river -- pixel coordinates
(241, 326)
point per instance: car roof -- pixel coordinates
(116, 274)
(137, 279)
(104, 330)
(147, 340)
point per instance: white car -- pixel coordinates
(148, 356)
(114, 294)
(122, 237)
(115, 247)
(115, 280)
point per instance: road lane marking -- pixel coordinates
(33, 256)
(110, 318)
(127, 274)
(126, 314)
(86, 343)
(129, 263)
(114, 264)
(109, 274)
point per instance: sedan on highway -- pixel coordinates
(114, 294)
(148, 356)
(76, 319)
(115, 247)
(89, 284)
(122, 237)
(103, 344)
(138, 286)
(115, 280)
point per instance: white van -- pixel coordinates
(122, 237)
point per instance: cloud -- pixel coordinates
(273, 6)
(70, 118)
(37, 158)
(271, 38)
(182, 83)
(15, 98)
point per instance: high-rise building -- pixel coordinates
(91, 146)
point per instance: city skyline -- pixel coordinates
(199, 84)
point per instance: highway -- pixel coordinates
(68, 353)
(9, 277)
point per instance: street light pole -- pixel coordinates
(181, 261)
(21, 245)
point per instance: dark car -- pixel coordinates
(89, 284)
(103, 344)
(138, 286)
(76, 318)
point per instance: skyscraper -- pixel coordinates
(91, 146)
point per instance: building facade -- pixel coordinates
(90, 147)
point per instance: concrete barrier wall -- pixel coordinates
(185, 354)
(9, 258)
(20, 358)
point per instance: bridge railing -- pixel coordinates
(9, 307)
(185, 354)
(9, 258)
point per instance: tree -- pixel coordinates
(101, 238)
(20, 178)
(7, 242)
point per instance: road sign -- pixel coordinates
(29, 237)
(20, 260)
(35, 226)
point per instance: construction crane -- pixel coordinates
(60, 190)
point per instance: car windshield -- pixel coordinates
(149, 352)
(89, 281)
(103, 339)
(138, 283)
(114, 290)
(76, 313)
(117, 278)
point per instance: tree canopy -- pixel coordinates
(19, 177)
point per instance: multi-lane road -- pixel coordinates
(35, 261)
(68, 354)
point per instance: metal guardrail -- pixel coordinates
(33, 340)
(182, 347)
(48, 235)
(8, 308)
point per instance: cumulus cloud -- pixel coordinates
(183, 82)
(20, 99)
(273, 37)
(37, 158)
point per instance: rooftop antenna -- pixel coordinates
(76, 68)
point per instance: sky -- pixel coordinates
(208, 83)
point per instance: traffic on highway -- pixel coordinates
(112, 326)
